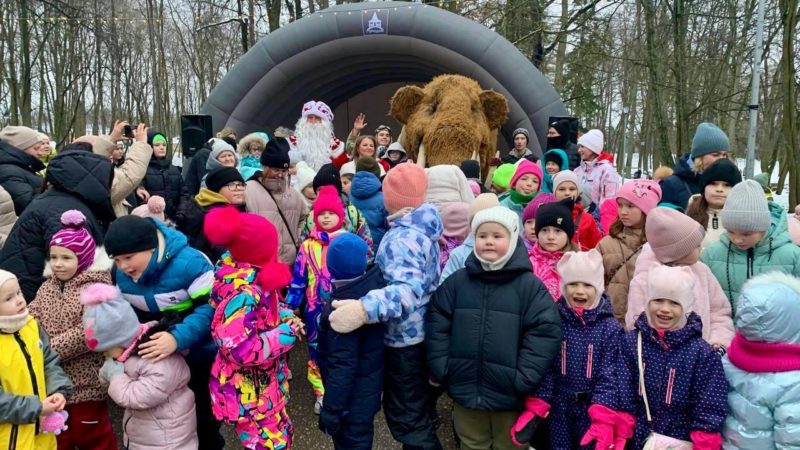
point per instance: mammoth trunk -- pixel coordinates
(450, 145)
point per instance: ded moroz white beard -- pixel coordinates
(314, 142)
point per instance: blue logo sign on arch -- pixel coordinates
(375, 21)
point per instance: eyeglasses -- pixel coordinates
(235, 186)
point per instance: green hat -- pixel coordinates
(503, 174)
(709, 138)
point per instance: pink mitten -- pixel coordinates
(623, 429)
(602, 427)
(54, 423)
(704, 440)
(525, 426)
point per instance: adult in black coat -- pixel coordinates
(492, 335)
(76, 179)
(684, 182)
(561, 135)
(18, 175)
(162, 178)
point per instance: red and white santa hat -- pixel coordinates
(319, 109)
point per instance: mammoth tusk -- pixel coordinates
(476, 156)
(421, 156)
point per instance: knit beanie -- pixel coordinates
(643, 194)
(455, 218)
(746, 208)
(74, 237)
(155, 137)
(525, 167)
(347, 257)
(404, 187)
(584, 267)
(481, 202)
(564, 176)
(130, 234)
(251, 239)
(328, 200)
(153, 208)
(328, 175)
(369, 164)
(474, 187)
(503, 174)
(218, 147)
(276, 154)
(471, 169)
(522, 131)
(672, 234)
(509, 220)
(109, 321)
(447, 184)
(763, 180)
(529, 213)
(19, 136)
(556, 214)
(221, 176)
(347, 169)
(305, 175)
(721, 170)
(593, 140)
(674, 283)
(709, 138)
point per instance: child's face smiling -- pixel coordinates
(327, 220)
(134, 264)
(552, 168)
(12, 302)
(580, 294)
(664, 314)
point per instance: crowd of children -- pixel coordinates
(564, 310)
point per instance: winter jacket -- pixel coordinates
(59, 311)
(18, 175)
(250, 165)
(128, 175)
(684, 379)
(458, 257)
(352, 364)
(602, 177)
(197, 170)
(682, 184)
(544, 267)
(571, 149)
(7, 216)
(268, 204)
(447, 184)
(446, 246)
(189, 221)
(512, 157)
(764, 405)
(366, 195)
(29, 372)
(710, 303)
(409, 259)
(609, 213)
(584, 373)
(80, 180)
(354, 222)
(793, 226)
(492, 335)
(175, 284)
(774, 253)
(587, 232)
(619, 262)
(248, 378)
(547, 185)
(164, 179)
(159, 406)
(509, 202)
(311, 280)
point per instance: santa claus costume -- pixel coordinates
(314, 139)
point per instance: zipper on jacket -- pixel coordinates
(480, 342)
(750, 259)
(12, 437)
(28, 361)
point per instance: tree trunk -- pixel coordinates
(679, 31)
(661, 152)
(789, 94)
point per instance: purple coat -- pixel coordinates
(685, 381)
(583, 373)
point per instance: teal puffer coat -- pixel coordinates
(765, 406)
(774, 253)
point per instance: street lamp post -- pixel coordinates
(625, 111)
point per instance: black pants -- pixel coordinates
(406, 398)
(354, 436)
(207, 425)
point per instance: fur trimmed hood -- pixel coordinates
(768, 308)
(102, 263)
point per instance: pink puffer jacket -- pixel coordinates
(710, 302)
(544, 267)
(159, 406)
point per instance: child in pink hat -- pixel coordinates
(622, 246)
(524, 186)
(455, 219)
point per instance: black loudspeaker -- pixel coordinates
(196, 130)
(573, 126)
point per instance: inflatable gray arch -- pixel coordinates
(345, 50)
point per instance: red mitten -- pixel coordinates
(704, 440)
(495, 162)
(623, 429)
(525, 426)
(602, 427)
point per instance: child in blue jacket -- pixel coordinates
(366, 195)
(166, 280)
(351, 363)
(582, 382)
(683, 398)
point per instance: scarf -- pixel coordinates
(521, 199)
(763, 357)
(12, 324)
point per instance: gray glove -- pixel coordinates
(111, 368)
